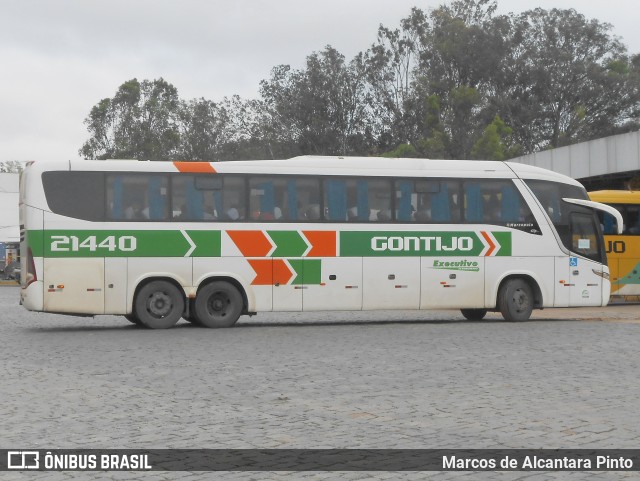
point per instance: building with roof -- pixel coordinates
(606, 163)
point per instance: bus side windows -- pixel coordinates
(357, 200)
(632, 219)
(194, 199)
(234, 198)
(495, 202)
(608, 223)
(134, 196)
(373, 200)
(265, 195)
(427, 200)
(284, 199)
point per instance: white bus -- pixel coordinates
(209, 242)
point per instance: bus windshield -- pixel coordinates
(577, 226)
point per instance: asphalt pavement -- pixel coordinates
(568, 378)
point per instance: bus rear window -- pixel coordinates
(75, 194)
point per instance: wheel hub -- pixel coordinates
(159, 304)
(520, 300)
(217, 304)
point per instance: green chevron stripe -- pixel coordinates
(288, 243)
(309, 271)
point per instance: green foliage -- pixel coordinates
(458, 81)
(139, 122)
(203, 132)
(436, 146)
(495, 142)
(316, 110)
(402, 151)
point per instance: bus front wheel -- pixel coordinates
(515, 300)
(159, 305)
(218, 304)
(474, 314)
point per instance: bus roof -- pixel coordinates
(326, 165)
(616, 196)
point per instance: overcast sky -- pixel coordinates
(59, 58)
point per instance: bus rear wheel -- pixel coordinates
(132, 319)
(218, 304)
(159, 305)
(474, 314)
(191, 318)
(515, 300)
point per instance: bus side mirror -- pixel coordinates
(598, 206)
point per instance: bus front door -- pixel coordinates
(585, 274)
(585, 277)
(578, 282)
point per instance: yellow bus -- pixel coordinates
(623, 250)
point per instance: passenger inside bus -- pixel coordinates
(136, 211)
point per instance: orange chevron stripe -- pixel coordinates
(281, 272)
(195, 167)
(264, 272)
(252, 243)
(323, 243)
(492, 246)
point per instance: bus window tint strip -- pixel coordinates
(75, 194)
(123, 196)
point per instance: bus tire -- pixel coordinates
(515, 300)
(159, 305)
(191, 318)
(474, 314)
(218, 304)
(132, 319)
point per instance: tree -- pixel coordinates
(571, 80)
(402, 151)
(458, 62)
(448, 83)
(554, 77)
(495, 143)
(139, 122)
(319, 110)
(435, 143)
(203, 130)
(447, 103)
(390, 67)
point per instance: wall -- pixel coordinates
(9, 218)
